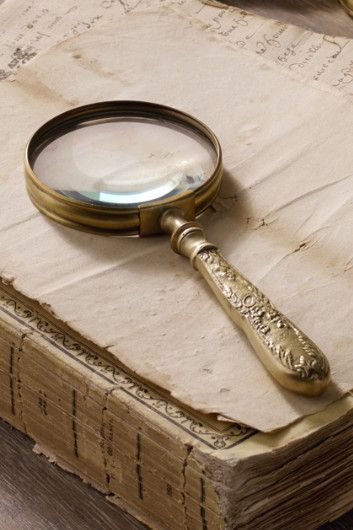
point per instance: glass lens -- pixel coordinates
(126, 161)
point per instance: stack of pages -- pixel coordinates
(115, 358)
(167, 465)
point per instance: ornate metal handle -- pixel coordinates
(288, 354)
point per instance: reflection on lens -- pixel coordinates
(126, 161)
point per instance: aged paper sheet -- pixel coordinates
(283, 216)
(33, 26)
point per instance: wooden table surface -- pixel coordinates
(35, 495)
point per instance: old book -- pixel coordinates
(118, 394)
(167, 465)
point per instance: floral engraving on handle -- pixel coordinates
(299, 353)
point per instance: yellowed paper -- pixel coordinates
(33, 27)
(283, 216)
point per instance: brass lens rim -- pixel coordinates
(348, 5)
(107, 219)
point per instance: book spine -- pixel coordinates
(10, 384)
(89, 425)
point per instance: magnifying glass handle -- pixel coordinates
(288, 354)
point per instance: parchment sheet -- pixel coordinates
(284, 215)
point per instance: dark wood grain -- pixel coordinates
(35, 495)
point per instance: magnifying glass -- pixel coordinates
(135, 168)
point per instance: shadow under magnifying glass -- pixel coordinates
(148, 254)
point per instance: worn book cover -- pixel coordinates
(169, 466)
